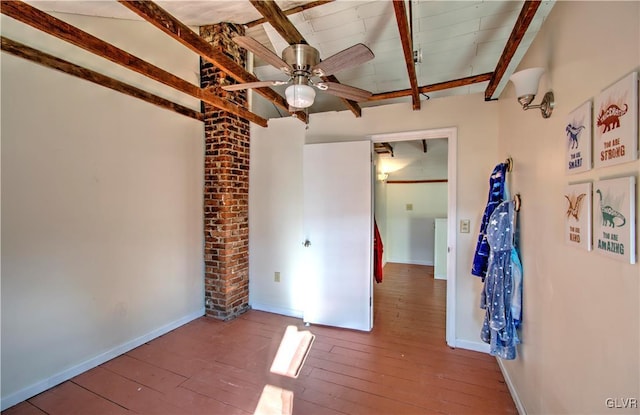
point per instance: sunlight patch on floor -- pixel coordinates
(274, 401)
(292, 352)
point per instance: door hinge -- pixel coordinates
(370, 301)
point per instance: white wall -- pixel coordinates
(410, 233)
(477, 125)
(581, 323)
(101, 210)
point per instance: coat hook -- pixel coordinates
(517, 201)
(509, 163)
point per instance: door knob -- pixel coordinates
(306, 243)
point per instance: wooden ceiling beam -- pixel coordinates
(528, 12)
(50, 61)
(281, 23)
(171, 26)
(407, 47)
(389, 148)
(40, 20)
(433, 87)
(291, 11)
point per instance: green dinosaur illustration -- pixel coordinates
(609, 214)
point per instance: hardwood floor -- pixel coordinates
(209, 367)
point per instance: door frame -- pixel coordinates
(451, 134)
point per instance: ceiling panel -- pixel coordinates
(374, 9)
(428, 34)
(329, 8)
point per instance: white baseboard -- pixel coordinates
(475, 346)
(51, 381)
(277, 310)
(512, 388)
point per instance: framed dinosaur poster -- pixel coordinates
(614, 222)
(578, 133)
(615, 123)
(577, 228)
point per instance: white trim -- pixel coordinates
(451, 134)
(512, 388)
(404, 261)
(452, 240)
(414, 135)
(277, 310)
(51, 381)
(475, 346)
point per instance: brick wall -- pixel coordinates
(226, 187)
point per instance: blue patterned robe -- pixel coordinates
(502, 295)
(496, 196)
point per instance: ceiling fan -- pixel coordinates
(302, 63)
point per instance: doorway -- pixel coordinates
(423, 137)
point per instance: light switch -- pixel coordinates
(465, 225)
(409, 206)
(276, 276)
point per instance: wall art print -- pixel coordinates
(615, 123)
(578, 136)
(614, 221)
(578, 215)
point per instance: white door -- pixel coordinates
(440, 249)
(338, 234)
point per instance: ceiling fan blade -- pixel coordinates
(344, 91)
(355, 55)
(259, 84)
(263, 52)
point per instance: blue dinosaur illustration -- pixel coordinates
(573, 134)
(609, 214)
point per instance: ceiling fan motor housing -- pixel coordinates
(302, 58)
(302, 62)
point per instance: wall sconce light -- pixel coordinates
(383, 176)
(526, 84)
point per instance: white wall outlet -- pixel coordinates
(465, 226)
(276, 276)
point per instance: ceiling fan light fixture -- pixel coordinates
(300, 95)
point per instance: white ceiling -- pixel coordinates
(410, 162)
(456, 38)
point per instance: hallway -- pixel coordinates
(210, 367)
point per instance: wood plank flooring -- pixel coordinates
(209, 367)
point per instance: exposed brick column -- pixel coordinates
(226, 187)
